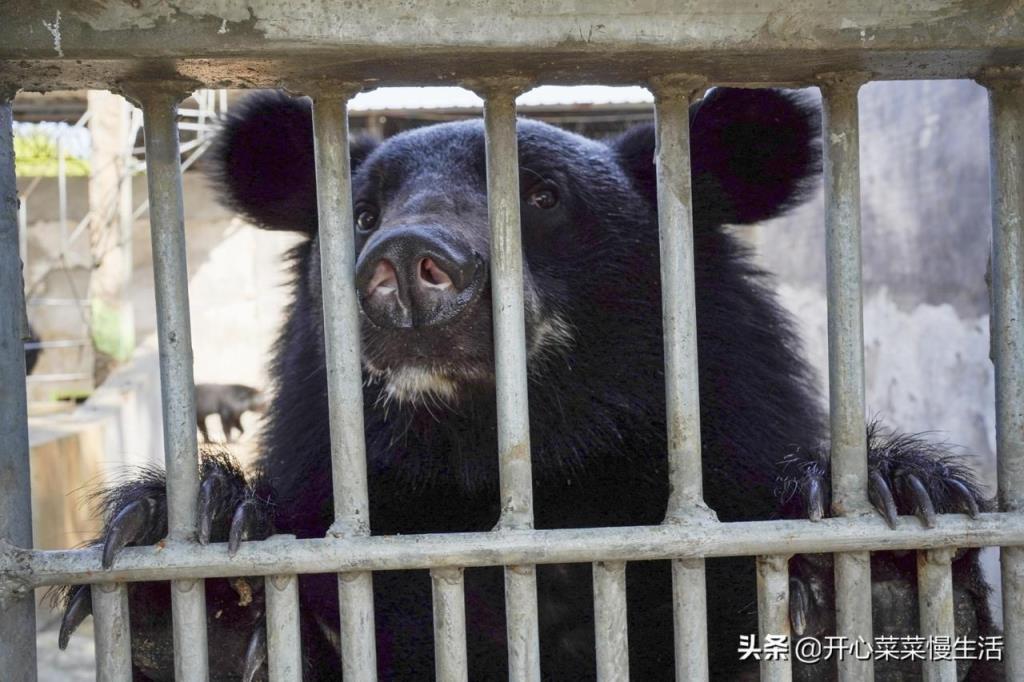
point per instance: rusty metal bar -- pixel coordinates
(773, 615)
(451, 662)
(610, 622)
(344, 373)
(840, 136)
(510, 369)
(679, 313)
(284, 642)
(17, 608)
(1006, 101)
(177, 387)
(935, 608)
(40, 568)
(112, 632)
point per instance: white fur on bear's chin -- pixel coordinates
(414, 385)
(411, 384)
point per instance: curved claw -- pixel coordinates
(78, 608)
(964, 497)
(207, 504)
(799, 605)
(922, 500)
(241, 525)
(255, 654)
(127, 527)
(881, 496)
(815, 500)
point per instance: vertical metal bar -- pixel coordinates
(284, 645)
(177, 387)
(23, 229)
(62, 191)
(773, 614)
(510, 371)
(610, 624)
(17, 611)
(840, 137)
(935, 608)
(112, 632)
(344, 374)
(450, 659)
(1006, 101)
(679, 312)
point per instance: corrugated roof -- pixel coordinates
(390, 99)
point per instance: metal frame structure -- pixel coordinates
(157, 52)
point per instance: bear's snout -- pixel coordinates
(417, 276)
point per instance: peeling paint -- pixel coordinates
(54, 29)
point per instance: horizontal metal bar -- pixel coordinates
(284, 642)
(38, 568)
(65, 343)
(112, 632)
(773, 614)
(263, 41)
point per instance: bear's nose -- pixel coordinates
(417, 277)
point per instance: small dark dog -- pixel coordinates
(230, 402)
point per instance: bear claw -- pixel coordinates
(255, 654)
(79, 607)
(128, 526)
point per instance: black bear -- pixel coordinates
(229, 402)
(596, 401)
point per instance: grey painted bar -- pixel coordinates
(177, 386)
(840, 137)
(17, 609)
(344, 374)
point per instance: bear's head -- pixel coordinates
(589, 227)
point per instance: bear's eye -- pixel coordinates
(543, 197)
(366, 219)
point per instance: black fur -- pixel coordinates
(597, 410)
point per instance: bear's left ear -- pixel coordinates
(262, 161)
(754, 154)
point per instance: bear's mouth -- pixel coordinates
(441, 368)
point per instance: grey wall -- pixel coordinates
(926, 223)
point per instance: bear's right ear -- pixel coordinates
(262, 161)
(754, 154)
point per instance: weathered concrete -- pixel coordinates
(84, 43)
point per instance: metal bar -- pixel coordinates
(284, 641)
(610, 622)
(935, 606)
(689, 617)
(17, 607)
(23, 228)
(344, 375)
(62, 191)
(515, 469)
(679, 313)
(773, 614)
(840, 136)
(562, 546)
(112, 632)
(1006, 100)
(177, 387)
(451, 663)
